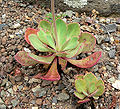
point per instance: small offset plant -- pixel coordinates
(62, 42)
(49, 16)
(88, 86)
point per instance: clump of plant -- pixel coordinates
(88, 86)
(62, 42)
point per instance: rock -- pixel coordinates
(37, 88)
(1, 101)
(39, 101)
(25, 100)
(99, 38)
(42, 92)
(69, 13)
(54, 100)
(111, 80)
(34, 80)
(1, 26)
(20, 87)
(3, 93)
(2, 106)
(15, 102)
(62, 97)
(105, 7)
(10, 91)
(34, 107)
(116, 84)
(110, 28)
(12, 36)
(117, 106)
(17, 25)
(46, 83)
(4, 40)
(111, 53)
(118, 76)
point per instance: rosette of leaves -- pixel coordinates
(68, 43)
(88, 86)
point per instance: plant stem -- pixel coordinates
(54, 23)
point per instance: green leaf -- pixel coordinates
(86, 62)
(71, 44)
(79, 76)
(42, 59)
(37, 44)
(89, 41)
(45, 25)
(73, 30)
(90, 78)
(79, 95)
(23, 58)
(61, 32)
(28, 32)
(80, 86)
(75, 52)
(46, 38)
(100, 91)
(99, 82)
(92, 88)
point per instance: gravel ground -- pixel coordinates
(25, 92)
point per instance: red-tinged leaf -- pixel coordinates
(86, 62)
(79, 76)
(63, 63)
(89, 41)
(79, 95)
(23, 58)
(84, 101)
(52, 74)
(42, 59)
(28, 32)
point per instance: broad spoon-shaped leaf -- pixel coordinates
(23, 58)
(52, 74)
(86, 62)
(28, 32)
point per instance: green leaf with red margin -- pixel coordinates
(28, 32)
(92, 88)
(100, 91)
(73, 29)
(80, 86)
(72, 44)
(75, 52)
(38, 45)
(45, 25)
(42, 59)
(61, 32)
(62, 62)
(79, 95)
(90, 78)
(89, 41)
(23, 58)
(46, 38)
(52, 74)
(86, 62)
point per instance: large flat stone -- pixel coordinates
(104, 7)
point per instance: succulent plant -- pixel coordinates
(88, 86)
(69, 43)
(62, 42)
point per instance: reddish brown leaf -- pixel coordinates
(52, 74)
